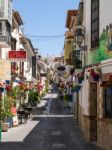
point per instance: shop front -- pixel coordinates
(89, 108)
(104, 121)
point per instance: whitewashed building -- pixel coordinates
(95, 96)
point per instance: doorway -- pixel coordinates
(93, 111)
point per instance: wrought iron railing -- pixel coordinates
(6, 39)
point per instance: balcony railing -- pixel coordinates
(69, 35)
(75, 58)
(5, 39)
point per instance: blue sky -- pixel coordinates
(45, 18)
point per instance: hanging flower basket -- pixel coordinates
(94, 75)
(80, 77)
(8, 87)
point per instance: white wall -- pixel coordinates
(15, 34)
(105, 19)
(8, 10)
(4, 52)
(105, 14)
(106, 66)
(87, 22)
(85, 95)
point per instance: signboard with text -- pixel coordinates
(17, 56)
(34, 66)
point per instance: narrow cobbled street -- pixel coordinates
(56, 129)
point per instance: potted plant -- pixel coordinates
(80, 77)
(33, 97)
(5, 112)
(95, 75)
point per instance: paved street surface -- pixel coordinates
(50, 128)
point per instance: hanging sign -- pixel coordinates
(34, 66)
(61, 68)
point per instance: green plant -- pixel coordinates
(43, 93)
(33, 96)
(16, 90)
(5, 108)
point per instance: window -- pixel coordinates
(94, 23)
(5, 9)
(8, 29)
(9, 10)
(78, 53)
(108, 102)
(5, 28)
(0, 27)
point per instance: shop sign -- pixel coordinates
(17, 56)
(34, 66)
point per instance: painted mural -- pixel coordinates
(105, 49)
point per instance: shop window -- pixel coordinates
(94, 23)
(9, 10)
(108, 102)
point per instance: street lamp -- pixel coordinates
(80, 34)
(80, 37)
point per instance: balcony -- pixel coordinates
(75, 58)
(5, 41)
(69, 35)
(5, 34)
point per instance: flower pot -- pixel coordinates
(5, 127)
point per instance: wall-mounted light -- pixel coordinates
(79, 36)
(80, 41)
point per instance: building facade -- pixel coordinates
(92, 36)
(95, 96)
(5, 22)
